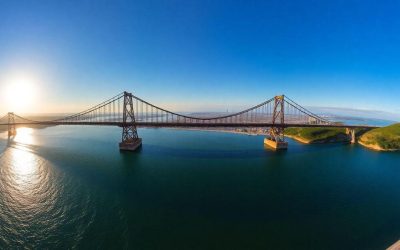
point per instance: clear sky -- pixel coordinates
(203, 55)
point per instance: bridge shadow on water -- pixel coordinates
(29, 148)
(262, 152)
(163, 151)
(129, 158)
(6, 143)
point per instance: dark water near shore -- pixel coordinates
(70, 187)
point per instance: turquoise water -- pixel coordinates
(70, 187)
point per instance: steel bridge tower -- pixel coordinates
(276, 137)
(130, 139)
(11, 124)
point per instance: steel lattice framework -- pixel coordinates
(11, 124)
(128, 111)
(130, 138)
(278, 119)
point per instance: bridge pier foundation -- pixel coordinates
(130, 146)
(352, 135)
(275, 144)
(130, 139)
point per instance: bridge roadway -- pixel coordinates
(194, 124)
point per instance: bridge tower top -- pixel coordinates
(127, 94)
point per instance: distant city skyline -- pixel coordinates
(200, 55)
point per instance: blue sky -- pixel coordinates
(205, 55)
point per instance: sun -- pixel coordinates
(20, 93)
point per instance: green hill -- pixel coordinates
(317, 135)
(385, 139)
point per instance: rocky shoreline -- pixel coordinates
(376, 147)
(338, 139)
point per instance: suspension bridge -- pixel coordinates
(129, 112)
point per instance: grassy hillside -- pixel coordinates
(386, 138)
(317, 135)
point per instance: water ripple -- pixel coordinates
(39, 204)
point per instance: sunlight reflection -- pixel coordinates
(24, 135)
(24, 169)
(24, 166)
(27, 192)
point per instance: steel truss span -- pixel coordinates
(128, 111)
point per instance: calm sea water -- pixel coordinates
(70, 187)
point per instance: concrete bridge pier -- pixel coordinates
(274, 143)
(351, 132)
(131, 145)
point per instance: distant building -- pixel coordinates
(312, 120)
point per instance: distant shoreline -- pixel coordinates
(299, 139)
(219, 130)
